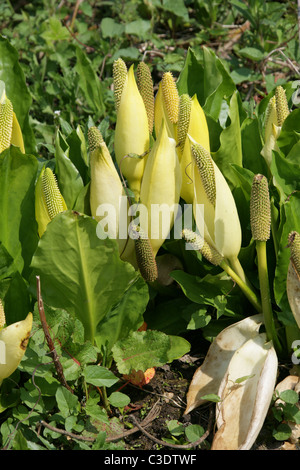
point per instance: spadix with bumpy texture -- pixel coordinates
(260, 211)
(282, 107)
(10, 131)
(119, 79)
(192, 123)
(293, 275)
(214, 207)
(6, 122)
(145, 86)
(170, 96)
(205, 167)
(2, 315)
(276, 113)
(15, 338)
(294, 245)
(184, 114)
(199, 244)
(48, 199)
(144, 255)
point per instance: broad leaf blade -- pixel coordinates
(78, 271)
(18, 228)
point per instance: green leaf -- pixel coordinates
(211, 397)
(178, 347)
(138, 28)
(208, 78)
(141, 350)
(175, 427)
(111, 28)
(80, 272)
(126, 316)
(12, 74)
(18, 228)
(286, 175)
(67, 402)
(118, 399)
(290, 220)
(194, 432)
(99, 376)
(144, 349)
(289, 396)
(282, 432)
(230, 150)
(69, 179)
(89, 83)
(252, 53)
(201, 290)
(290, 132)
(55, 31)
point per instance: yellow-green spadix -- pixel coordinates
(10, 131)
(276, 113)
(48, 199)
(160, 190)
(166, 105)
(191, 122)
(293, 275)
(131, 133)
(214, 207)
(13, 343)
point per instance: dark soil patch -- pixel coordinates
(167, 390)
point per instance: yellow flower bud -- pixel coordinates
(14, 339)
(276, 113)
(131, 133)
(106, 189)
(198, 130)
(161, 185)
(48, 199)
(217, 220)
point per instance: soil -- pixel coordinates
(167, 393)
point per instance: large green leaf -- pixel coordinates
(290, 221)
(18, 228)
(69, 179)
(144, 349)
(230, 150)
(208, 78)
(89, 83)
(286, 175)
(80, 272)
(126, 316)
(12, 75)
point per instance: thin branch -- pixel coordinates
(177, 446)
(49, 340)
(149, 418)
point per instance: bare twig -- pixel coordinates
(49, 340)
(177, 446)
(149, 418)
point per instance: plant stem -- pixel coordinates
(265, 294)
(251, 296)
(237, 267)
